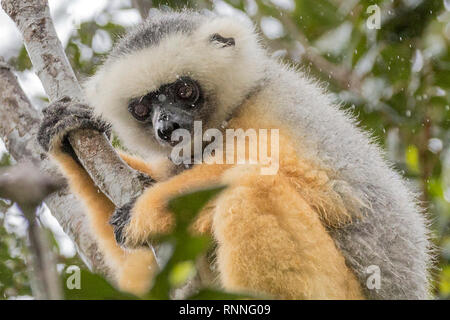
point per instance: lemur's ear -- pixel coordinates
(222, 42)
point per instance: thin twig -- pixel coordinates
(143, 6)
(27, 186)
(343, 76)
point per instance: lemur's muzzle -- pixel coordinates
(167, 121)
(165, 130)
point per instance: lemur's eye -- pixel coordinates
(140, 109)
(187, 90)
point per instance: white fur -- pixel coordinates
(227, 73)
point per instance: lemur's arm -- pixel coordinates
(269, 237)
(148, 216)
(132, 269)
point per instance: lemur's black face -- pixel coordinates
(173, 106)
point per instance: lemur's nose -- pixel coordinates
(165, 131)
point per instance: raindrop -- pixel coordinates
(440, 92)
(101, 42)
(417, 61)
(435, 145)
(162, 97)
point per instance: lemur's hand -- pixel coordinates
(126, 219)
(144, 219)
(119, 220)
(63, 116)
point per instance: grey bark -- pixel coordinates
(19, 123)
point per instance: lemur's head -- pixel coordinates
(174, 69)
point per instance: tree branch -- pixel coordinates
(93, 149)
(143, 6)
(19, 123)
(343, 76)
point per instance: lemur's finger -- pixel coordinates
(62, 117)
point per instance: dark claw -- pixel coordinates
(64, 116)
(120, 219)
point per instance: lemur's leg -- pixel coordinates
(158, 171)
(132, 269)
(271, 241)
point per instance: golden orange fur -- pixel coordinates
(270, 229)
(133, 268)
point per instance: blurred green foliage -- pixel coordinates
(395, 79)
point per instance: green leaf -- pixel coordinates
(186, 247)
(93, 287)
(444, 284)
(189, 247)
(412, 158)
(395, 63)
(316, 17)
(186, 206)
(181, 272)
(22, 62)
(5, 160)
(409, 21)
